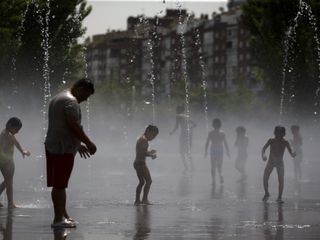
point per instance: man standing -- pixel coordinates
(64, 137)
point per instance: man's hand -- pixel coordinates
(91, 147)
(84, 151)
(153, 153)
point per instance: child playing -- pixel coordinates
(140, 164)
(7, 143)
(217, 139)
(241, 144)
(277, 147)
(185, 140)
(296, 143)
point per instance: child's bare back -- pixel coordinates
(217, 138)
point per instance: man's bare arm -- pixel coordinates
(76, 128)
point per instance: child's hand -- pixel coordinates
(154, 156)
(264, 158)
(26, 153)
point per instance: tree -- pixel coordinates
(269, 23)
(10, 16)
(50, 27)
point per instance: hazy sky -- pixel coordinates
(113, 14)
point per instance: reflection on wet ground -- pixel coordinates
(142, 222)
(186, 206)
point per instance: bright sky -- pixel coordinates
(113, 14)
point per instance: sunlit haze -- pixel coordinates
(113, 15)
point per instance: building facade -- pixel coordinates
(156, 53)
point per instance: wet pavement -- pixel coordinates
(186, 205)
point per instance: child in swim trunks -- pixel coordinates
(218, 141)
(7, 143)
(277, 148)
(140, 164)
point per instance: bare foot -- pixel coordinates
(71, 220)
(266, 197)
(137, 203)
(13, 206)
(146, 203)
(280, 201)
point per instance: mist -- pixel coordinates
(102, 188)
(115, 134)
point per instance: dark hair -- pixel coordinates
(241, 130)
(216, 123)
(180, 109)
(14, 122)
(280, 131)
(295, 128)
(84, 83)
(152, 128)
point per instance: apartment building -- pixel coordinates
(158, 52)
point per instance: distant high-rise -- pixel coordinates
(151, 49)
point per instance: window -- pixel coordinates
(229, 44)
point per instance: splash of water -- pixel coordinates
(46, 69)
(152, 35)
(290, 35)
(19, 35)
(45, 45)
(313, 24)
(290, 40)
(203, 77)
(85, 73)
(182, 24)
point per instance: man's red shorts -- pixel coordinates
(59, 168)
